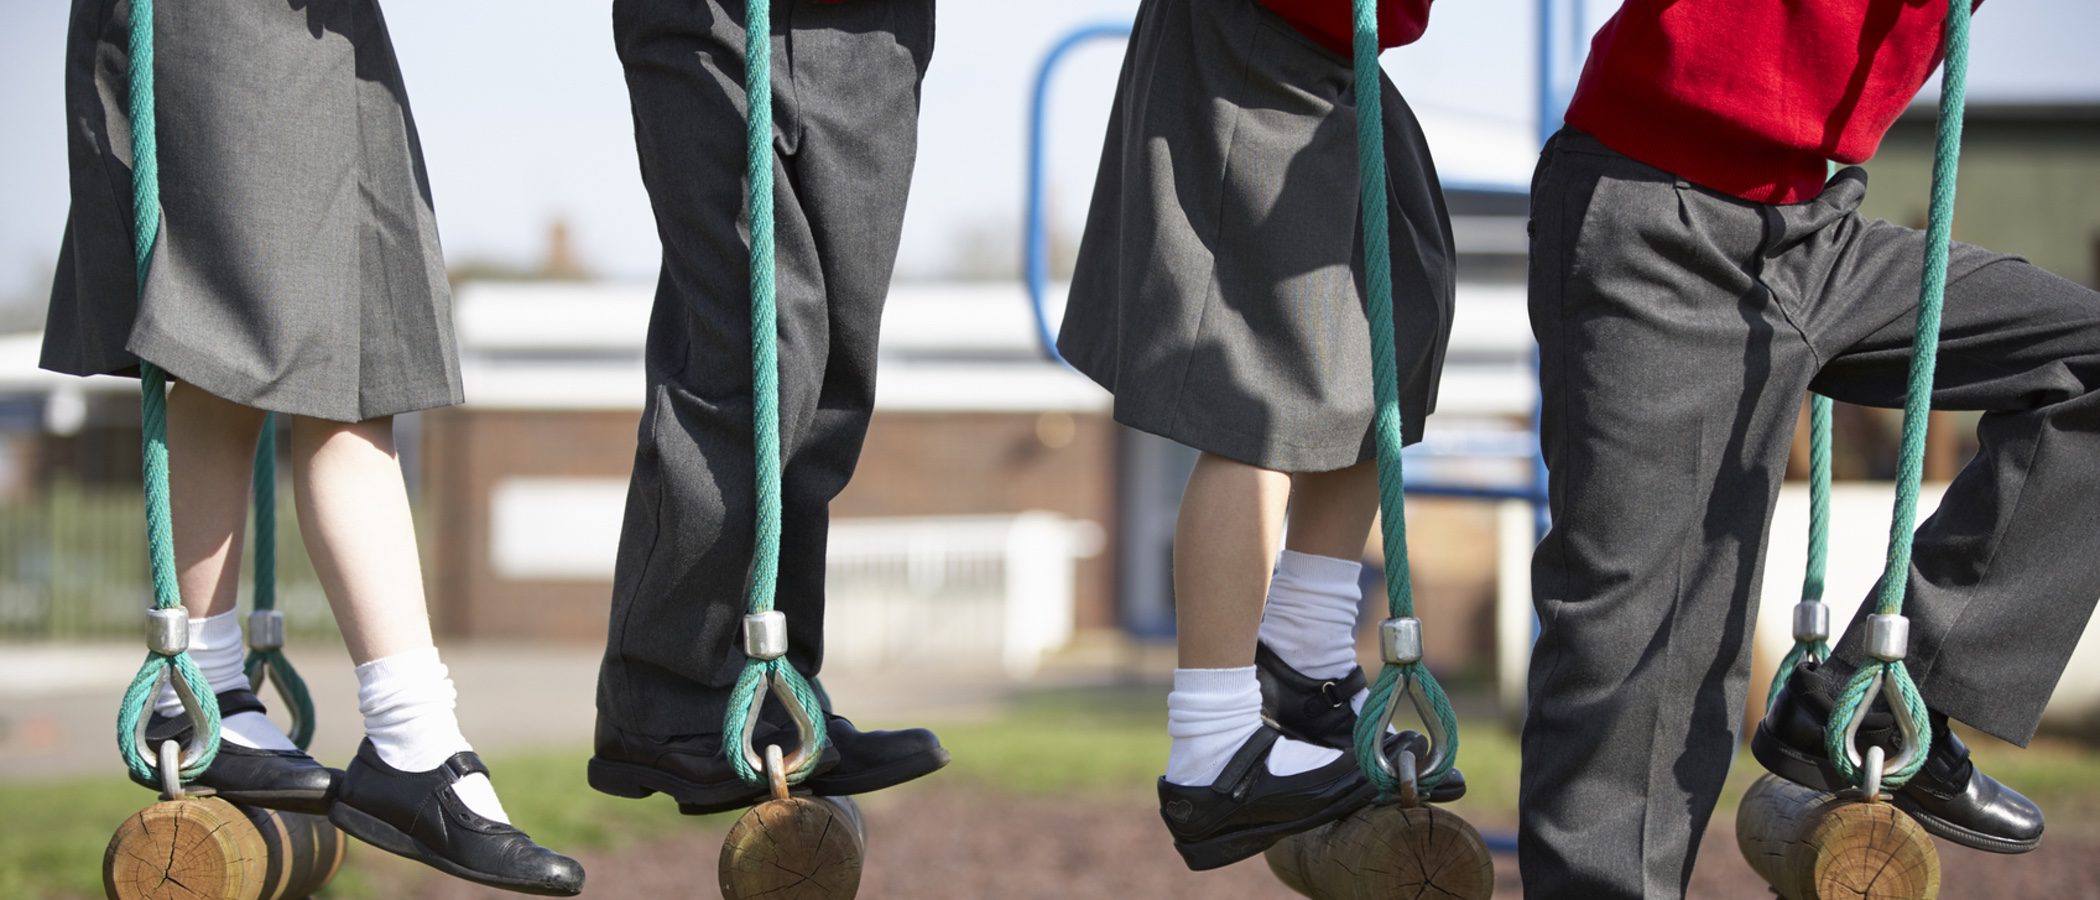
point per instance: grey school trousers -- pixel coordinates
(845, 113)
(1678, 330)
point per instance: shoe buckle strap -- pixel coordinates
(1239, 771)
(465, 763)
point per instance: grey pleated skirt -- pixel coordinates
(1218, 292)
(297, 268)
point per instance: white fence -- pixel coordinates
(968, 592)
(958, 592)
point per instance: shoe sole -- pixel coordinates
(1815, 772)
(371, 830)
(1224, 850)
(894, 774)
(304, 802)
(907, 769)
(635, 782)
(291, 802)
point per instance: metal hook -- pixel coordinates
(805, 727)
(170, 770)
(1432, 730)
(776, 772)
(193, 751)
(1410, 788)
(1875, 758)
(1870, 775)
(265, 672)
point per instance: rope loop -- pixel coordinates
(267, 662)
(1887, 673)
(1801, 652)
(1892, 681)
(794, 693)
(1439, 720)
(769, 671)
(273, 667)
(1401, 674)
(198, 701)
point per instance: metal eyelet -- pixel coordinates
(1329, 690)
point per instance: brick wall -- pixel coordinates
(915, 464)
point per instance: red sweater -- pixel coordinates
(1332, 22)
(1753, 97)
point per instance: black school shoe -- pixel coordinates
(694, 771)
(690, 769)
(1949, 796)
(873, 760)
(419, 816)
(1304, 708)
(1247, 809)
(288, 780)
(1316, 711)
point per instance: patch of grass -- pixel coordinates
(52, 835)
(1095, 742)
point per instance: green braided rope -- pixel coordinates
(1819, 441)
(153, 396)
(264, 495)
(270, 664)
(765, 406)
(1378, 278)
(1917, 407)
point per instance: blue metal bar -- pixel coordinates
(1548, 83)
(1525, 493)
(1035, 240)
(1453, 185)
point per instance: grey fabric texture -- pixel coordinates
(846, 101)
(1679, 329)
(297, 268)
(1218, 292)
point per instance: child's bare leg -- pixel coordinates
(1331, 512)
(354, 514)
(353, 511)
(1315, 597)
(1224, 543)
(1230, 525)
(211, 448)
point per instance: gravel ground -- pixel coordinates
(936, 844)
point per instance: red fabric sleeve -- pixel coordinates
(1330, 21)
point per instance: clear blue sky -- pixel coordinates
(524, 116)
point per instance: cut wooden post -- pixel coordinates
(799, 848)
(1809, 845)
(304, 852)
(1387, 851)
(189, 848)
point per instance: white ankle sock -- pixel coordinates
(407, 701)
(1210, 715)
(1310, 620)
(215, 645)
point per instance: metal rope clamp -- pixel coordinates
(1811, 623)
(266, 636)
(765, 638)
(265, 630)
(168, 636)
(1400, 642)
(1888, 637)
